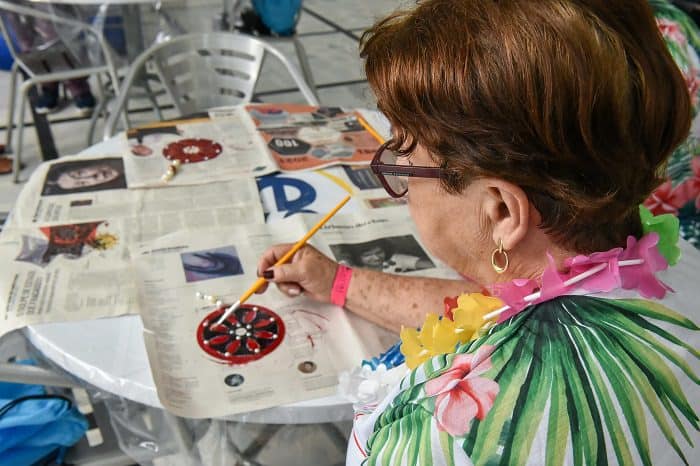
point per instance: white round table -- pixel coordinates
(110, 354)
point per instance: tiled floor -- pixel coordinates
(330, 31)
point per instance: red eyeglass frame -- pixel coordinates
(380, 169)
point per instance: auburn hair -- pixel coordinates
(577, 102)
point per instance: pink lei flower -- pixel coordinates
(671, 30)
(462, 394)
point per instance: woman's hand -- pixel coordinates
(309, 272)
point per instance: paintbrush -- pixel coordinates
(369, 129)
(299, 244)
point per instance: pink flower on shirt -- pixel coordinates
(462, 394)
(671, 30)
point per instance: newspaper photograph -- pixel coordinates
(66, 272)
(215, 148)
(302, 137)
(274, 349)
(384, 240)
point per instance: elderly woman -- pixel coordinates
(526, 135)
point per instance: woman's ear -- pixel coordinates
(507, 209)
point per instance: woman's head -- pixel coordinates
(578, 103)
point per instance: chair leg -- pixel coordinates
(152, 98)
(102, 101)
(305, 66)
(11, 110)
(16, 158)
(184, 439)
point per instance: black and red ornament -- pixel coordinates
(248, 334)
(192, 150)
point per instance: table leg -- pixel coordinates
(43, 129)
(184, 438)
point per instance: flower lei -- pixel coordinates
(633, 267)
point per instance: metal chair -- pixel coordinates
(204, 70)
(54, 62)
(232, 19)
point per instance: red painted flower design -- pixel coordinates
(462, 394)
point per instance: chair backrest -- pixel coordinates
(205, 70)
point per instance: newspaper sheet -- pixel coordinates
(302, 137)
(64, 272)
(275, 349)
(220, 147)
(239, 142)
(318, 191)
(64, 191)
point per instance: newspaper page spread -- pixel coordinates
(247, 141)
(146, 213)
(215, 148)
(302, 137)
(275, 349)
(64, 272)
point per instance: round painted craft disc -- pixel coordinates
(249, 334)
(192, 150)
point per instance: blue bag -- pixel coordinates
(34, 424)
(278, 15)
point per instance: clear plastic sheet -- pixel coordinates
(53, 32)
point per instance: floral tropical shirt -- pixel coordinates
(680, 194)
(579, 379)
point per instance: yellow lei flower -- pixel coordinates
(440, 336)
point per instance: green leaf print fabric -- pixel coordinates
(575, 380)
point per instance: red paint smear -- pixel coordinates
(311, 339)
(312, 313)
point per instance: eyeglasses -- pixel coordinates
(393, 176)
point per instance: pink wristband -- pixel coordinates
(341, 283)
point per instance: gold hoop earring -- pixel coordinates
(499, 251)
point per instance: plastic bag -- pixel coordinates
(278, 15)
(33, 424)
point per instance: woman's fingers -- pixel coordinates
(290, 289)
(271, 256)
(309, 272)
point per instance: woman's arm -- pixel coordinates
(385, 299)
